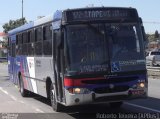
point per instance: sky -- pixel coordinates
(149, 10)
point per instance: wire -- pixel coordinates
(151, 22)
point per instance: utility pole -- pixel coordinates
(22, 12)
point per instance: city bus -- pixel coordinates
(81, 56)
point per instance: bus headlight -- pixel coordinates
(79, 90)
(142, 85)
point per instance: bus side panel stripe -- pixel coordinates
(31, 68)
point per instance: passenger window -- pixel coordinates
(25, 41)
(25, 37)
(31, 43)
(38, 33)
(47, 37)
(19, 44)
(38, 43)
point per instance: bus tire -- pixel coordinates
(57, 107)
(23, 92)
(116, 104)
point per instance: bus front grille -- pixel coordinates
(109, 90)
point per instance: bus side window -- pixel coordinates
(38, 41)
(31, 40)
(19, 44)
(47, 40)
(25, 41)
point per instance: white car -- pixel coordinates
(153, 58)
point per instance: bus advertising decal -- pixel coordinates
(93, 68)
(31, 67)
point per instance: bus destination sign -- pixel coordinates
(100, 14)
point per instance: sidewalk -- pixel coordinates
(4, 69)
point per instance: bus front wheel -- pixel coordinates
(55, 105)
(21, 87)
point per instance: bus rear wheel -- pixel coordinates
(23, 92)
(55, 105)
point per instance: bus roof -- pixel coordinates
(57, 16)
(54, 17)
(100, 8)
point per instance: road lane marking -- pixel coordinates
(146, 108)
(38, 110)
(4, 91)
(11, 96)
(22, 102)
(14, 98)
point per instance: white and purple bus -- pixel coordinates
(81, 56)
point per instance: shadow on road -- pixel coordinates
(151, 102)
(94, 111)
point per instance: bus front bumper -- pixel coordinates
(80, 99)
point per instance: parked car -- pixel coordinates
(153, 58)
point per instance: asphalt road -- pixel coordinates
(13, 106)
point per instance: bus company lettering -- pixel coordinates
(38, 63)
(131, 62)
(93, 68)
(98, 14)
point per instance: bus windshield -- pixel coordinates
(125, 42)
(92, 47)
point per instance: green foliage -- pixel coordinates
(151, 37)
(13, 24)
(5, 43)
(156, 35)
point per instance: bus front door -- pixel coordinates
(58, 66)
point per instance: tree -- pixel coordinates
(13, 24)
(156, 35)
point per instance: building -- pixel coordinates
(3, 50)
(2, 35)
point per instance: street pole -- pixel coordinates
(22, 12)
